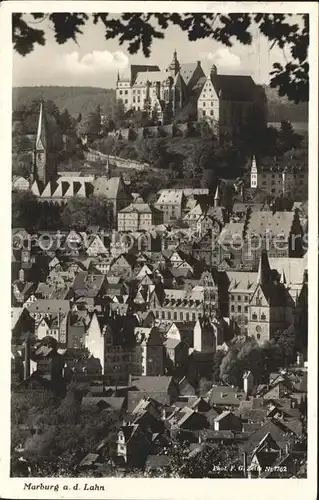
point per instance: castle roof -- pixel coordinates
(234, 87)
(140, 68)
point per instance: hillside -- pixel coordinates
(74, 99)
(85, 99)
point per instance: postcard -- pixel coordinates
(160, 209)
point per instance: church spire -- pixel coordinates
(263, 276)
(283, 278)
(253, 164)
(217, 197)
(40, 142)
(40, 167)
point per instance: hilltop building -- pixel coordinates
(228, 101)
(160, 92)
(231, 102)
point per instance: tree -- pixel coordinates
(80, 213)
(286, 342)
(66, 123)
(201, 158)
(140, 29)
(91, 124)
(24, 209)
(287, 137)
(118, 113)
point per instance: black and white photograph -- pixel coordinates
(160, 285)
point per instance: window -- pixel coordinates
(258, 336)
(258, 302)
(232, 308)
(232, 297)
(212, 103)
(263, 317)
(175, 315)
(126, 101)
(194, 316)
(204, 104)
(204, 113)
(133, 99)
(163, 314)
(239, 297)
(239, 309)
(246, 298)
(187, 316)
(121, 92)
(125, 92)
(168, 314)
(181, 317)
(246, 309)
(254, 316)
(138, 91)
(211, 112)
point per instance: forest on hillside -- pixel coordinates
(75, 99)
(83, 99)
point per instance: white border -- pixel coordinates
(116, 488)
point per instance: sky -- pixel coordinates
(94, 61)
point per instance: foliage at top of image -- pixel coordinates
(139, 30)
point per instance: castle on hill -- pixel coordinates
(229, 102)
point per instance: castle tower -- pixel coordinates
(217, 197)
(263, 276)
(253, 173)
(174, 67)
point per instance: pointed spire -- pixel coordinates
(283, 277)
(118, 76)
(217, 197)
(263, 269)
(253, 164)
(41, 132)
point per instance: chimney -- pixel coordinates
(26, 367)
(198, 63)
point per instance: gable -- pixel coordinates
(208, 91)
(258, 298)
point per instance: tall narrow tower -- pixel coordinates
(253, 173)
(40, 158)
(174, 67)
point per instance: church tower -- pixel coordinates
(174, 67)
(253, 173)
(41, 168)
